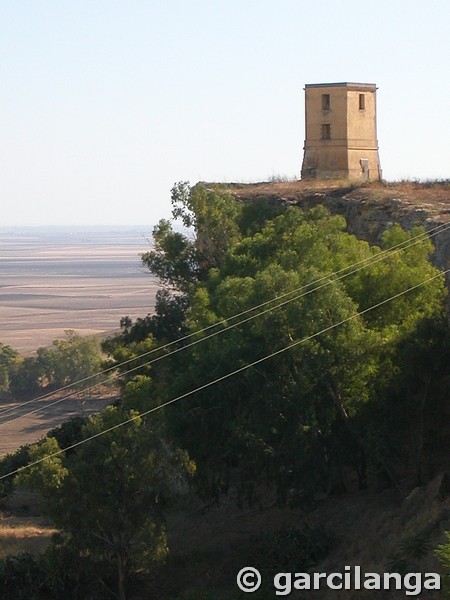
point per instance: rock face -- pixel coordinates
(369, 209)
(368, 218)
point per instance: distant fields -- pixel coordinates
(54, 279)
(86, 279)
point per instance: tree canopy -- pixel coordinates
(340, 352)
(295, 421)
(68, 360)
(110, 494)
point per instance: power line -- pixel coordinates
(223, 377)
(371, 259)
(179, 349)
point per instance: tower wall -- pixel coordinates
(340, 126)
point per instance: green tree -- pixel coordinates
(109, 495)
(296, 420)
(442, 553)
(174, 259)
(179, 259)
(75, 357)
(8, 360)
(167, 324)
(27, 377)
(66, 361)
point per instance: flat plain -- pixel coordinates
(54, 279)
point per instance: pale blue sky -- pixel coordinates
(104, 104)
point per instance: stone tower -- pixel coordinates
(341, 132)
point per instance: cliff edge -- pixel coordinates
(369, 208)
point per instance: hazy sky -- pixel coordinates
(104, 104)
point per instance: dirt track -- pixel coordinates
(17, 429)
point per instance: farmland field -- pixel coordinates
(86, 279)
(54, 279)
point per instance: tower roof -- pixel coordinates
(360, 86)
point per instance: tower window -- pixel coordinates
(326, 131)
(325, 101)
(362, 102)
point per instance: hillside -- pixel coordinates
(370, 527)
(311, 436)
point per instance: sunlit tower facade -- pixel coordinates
(341, 132)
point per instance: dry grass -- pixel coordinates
(24, 534)
(22, 526)
(413, 192)
(288, 189)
